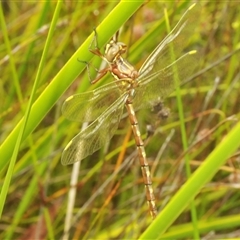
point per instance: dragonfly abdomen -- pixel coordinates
(143, 160)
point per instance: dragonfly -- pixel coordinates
(165, 68)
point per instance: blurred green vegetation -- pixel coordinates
(109, 205)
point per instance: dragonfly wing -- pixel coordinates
(168, 65)
(86, 107)
(177, 41)
(96, 134)
(160, 84)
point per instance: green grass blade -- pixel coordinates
(19, 136)
(183, 128)
(193, 186)
(66, 76)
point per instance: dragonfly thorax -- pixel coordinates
(122, 69)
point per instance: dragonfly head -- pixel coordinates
(114, 50)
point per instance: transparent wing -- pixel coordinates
(177, 40)
(168, 62)
(86, 107)
(96, 134)
(161, 83)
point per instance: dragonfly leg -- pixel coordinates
(115, 37)
(101, 73)
(96, 49)
(94, 40)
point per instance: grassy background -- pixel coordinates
(40, 45)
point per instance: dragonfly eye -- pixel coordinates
(114, 50)
(122, 47)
